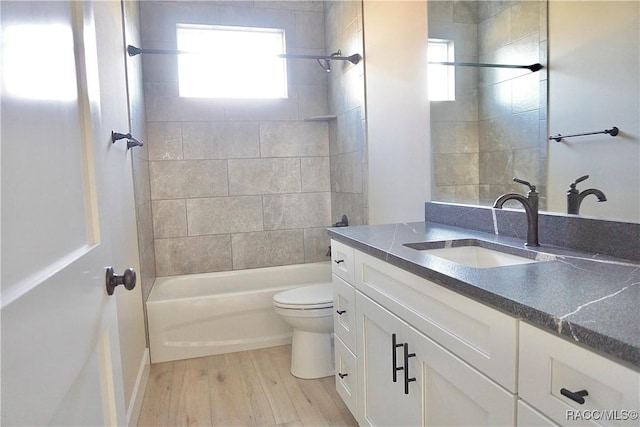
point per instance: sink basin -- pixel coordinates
(475, 253)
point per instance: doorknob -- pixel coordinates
(128, 279)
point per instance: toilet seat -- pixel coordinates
(312, 297)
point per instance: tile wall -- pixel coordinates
(496, 128)
(140, 155)
(240, 184)
(347, 142)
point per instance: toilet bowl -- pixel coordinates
(309, 310)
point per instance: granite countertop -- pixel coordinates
(593, 301)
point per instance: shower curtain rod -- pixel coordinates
(354, 59)
(533, 67)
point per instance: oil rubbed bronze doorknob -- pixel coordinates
(128, 279)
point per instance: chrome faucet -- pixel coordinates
(530, 204)
(575, 197)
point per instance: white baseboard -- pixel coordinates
(135, 405)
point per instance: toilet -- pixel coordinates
(309, 310)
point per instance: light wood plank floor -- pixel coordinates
(249, 388)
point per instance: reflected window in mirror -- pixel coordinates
(442, 83)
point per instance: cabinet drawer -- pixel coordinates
(344, 315)
(342, 261)
(529, 417)
(346, 376)
(549, 364)
(482, 336)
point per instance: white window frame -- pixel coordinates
(231, 62)
(441, 78)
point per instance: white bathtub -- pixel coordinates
(213, 313)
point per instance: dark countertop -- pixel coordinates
(593, 301)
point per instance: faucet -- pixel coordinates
(530, 204)
(575, 197)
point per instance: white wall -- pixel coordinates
(395, 42)
(594, 69)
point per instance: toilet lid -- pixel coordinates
(306, 297)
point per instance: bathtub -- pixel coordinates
(213, 313)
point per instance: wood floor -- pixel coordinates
(249, 388)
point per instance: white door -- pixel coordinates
(60, 349)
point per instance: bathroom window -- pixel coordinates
(231, 62)
(441, 78)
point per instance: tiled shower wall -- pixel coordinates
(237, 183)
(346, 101)
(496, 128)
(140, 155)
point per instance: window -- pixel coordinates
(441, 83)
(231, 62)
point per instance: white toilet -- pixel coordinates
(309, 309)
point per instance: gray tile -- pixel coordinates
(349, 132)
(161, 101)
(264, 176)
(315, 174)
(456, 169)
(303, 210)
(526, 165)
(262, 109)
(465, 11)
(526, 93)
(495, 32)
(346, 172)
(312, 101)
(224, 215)
(169, 218)
(525, 19)
(220, 140)
(145, 226)
(350, 204)
(188, 178)
(309, 29)
(316, 244)
(294, 139)
(164, 140)
(267, 248)
(496, 168)
(190, 255)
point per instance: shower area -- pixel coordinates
(234, 184)
(495, 128)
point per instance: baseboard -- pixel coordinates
(135, 405)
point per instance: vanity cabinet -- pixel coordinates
(554, 374)
(344, 324)
(411, 352)
(406, 379)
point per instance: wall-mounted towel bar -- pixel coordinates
(533, 67)
(131, 141)
(613, 132)
(336, 56)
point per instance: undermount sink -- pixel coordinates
(475, 253)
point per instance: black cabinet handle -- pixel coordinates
(341, 312)
(341, 375)
(338, 261)
(394, 368)
(577, 396)
(407, 380)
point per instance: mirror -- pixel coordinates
(494, 129)
(498, 126)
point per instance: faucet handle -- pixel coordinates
(519, 181)
(582, 178)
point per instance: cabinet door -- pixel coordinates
(344, 315)
(454, 393)
(381, 401)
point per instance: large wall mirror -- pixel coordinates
(498, 124)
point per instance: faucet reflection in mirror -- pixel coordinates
(530, 204)
(575, 196)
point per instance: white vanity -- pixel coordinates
(412, 352)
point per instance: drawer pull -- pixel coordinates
(338, 261)
(577, 396)
(341, 375)
(394, 360)
(341, 312)
(407, 380)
